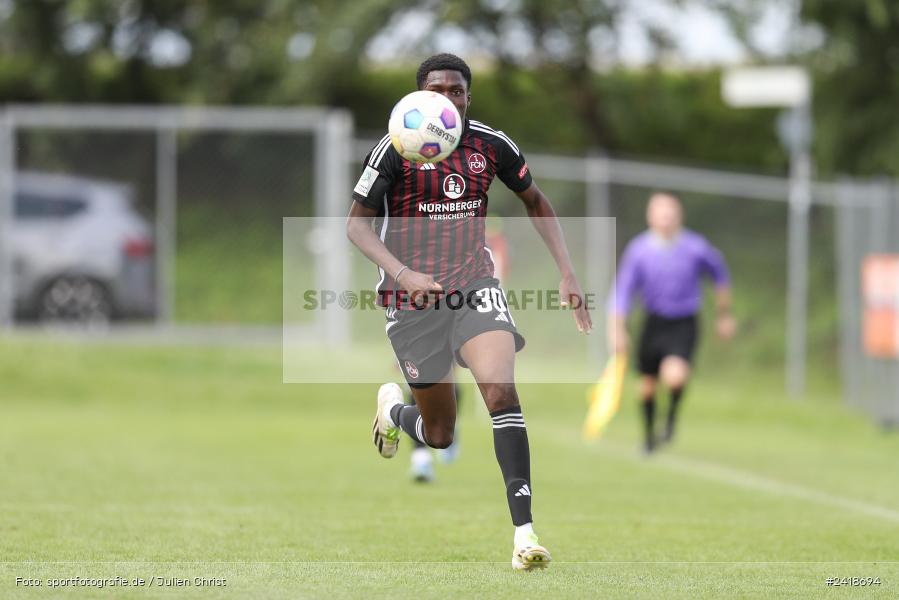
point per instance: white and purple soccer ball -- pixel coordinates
(425, 127)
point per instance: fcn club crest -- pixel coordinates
(411, 369)
(477, 163)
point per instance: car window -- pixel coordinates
(35, 206)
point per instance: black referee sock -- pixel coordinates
(408, 418)
(510, 441)
(676, 395)
(648, 407)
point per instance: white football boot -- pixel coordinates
(385, 436)
(528, 554)
(422, 465)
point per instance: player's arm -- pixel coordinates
(723, 300)
(381, 170)
(514, 173)
(546, 223)
(626, 283)
(715, 266)
(619, 338)
(359, 231)
(725, 323)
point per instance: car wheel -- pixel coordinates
(76, 300)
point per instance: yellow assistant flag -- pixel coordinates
(605, 396)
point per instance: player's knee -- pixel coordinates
(499, 396)
(421, 386)
(676, 378)
(440, 438)
(677, 384)
(647, 389)
(675, 372)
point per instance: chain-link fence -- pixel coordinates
(201, 194)
(867, 233)
(167, 214)
(746, 216)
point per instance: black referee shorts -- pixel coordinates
(663, 337)
(427, 341)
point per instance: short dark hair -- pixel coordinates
(442, 62)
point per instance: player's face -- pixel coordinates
(452, 85)
(664, 215)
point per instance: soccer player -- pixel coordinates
(430, 252)
(665, 265)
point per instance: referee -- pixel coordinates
(664, 266)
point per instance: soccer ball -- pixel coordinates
(425, 127)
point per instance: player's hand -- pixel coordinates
(418, 284)
(571, 294)
(619, 339)
(726, 326)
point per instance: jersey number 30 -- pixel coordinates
(491, 299)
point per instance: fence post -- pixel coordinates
(7, 214)
(884, 370)
(797, 270)
(848, 293)
(333, 144)
(893, 226)
(598, 248)
(892, 198)
(166, 220)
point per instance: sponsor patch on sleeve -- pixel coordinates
(523, 171)
(366, 180)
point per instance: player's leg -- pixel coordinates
(421, 463)
(450, 454)
(491, 358)
(649, 361)
(674, 370)
(437, 405)
(421, 460)
(421, 343)
(410, 401)
(647, 390)
(674, 374)
(432, 419)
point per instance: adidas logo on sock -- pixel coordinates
(524, 491)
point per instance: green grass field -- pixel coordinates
(186, 462)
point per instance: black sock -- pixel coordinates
(409, 420)
(416, 443)
(648, 407)
(510, 441)
(672, 411)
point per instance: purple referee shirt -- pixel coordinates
(667, 274)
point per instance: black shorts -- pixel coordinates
(663, 337)
(427, 341)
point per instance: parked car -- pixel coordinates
(81, 252)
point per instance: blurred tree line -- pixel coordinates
(554, 82)
(857, 85)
